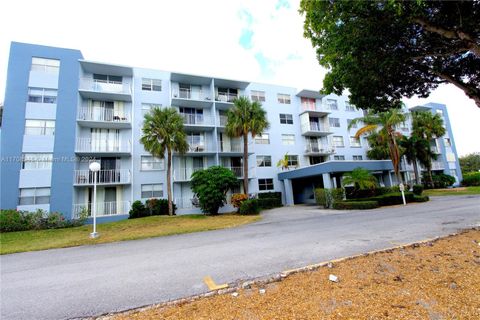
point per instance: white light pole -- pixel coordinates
(94, 167)
(402, 190)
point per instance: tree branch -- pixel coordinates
(471, 91)
(450, 34)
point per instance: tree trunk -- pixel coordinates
(169, 182)
(415, 169)
(395, 156)
(245, 164)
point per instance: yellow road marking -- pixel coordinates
(212, 285)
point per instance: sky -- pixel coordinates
(259, 41)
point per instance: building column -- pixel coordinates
(327, 181)
(390, 182)
(288, 192)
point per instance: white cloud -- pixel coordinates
(200, 37)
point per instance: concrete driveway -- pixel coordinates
(92, 280)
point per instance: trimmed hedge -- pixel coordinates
(13, 220)
(352, 205)
(417, 189)
(471, 179)
(269, 203)
(152, 207)
(249, 207)
(269, 195)
(420, 198)
(351, 193)
(392, 198)
(327, 197)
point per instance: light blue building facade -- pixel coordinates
(61, 112)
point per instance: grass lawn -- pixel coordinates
(156, 226)
(452, 192)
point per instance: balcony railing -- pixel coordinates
(185, 93)
(226, 97)
(222, 120)
(103, 145)
(196, 119)
(184, 174)
(102, 114)
(103, 208)
(437, 165)
(230, 147)
(316, 127)
(86, 177)
(201, 147)
(317, 148)
(313, 107)
(104, 86)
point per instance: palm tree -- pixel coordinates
(427, 126)
(246, 117)
(384, 124)
(283, 162)
(360, 178)
(162, 132)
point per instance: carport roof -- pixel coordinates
(336, 166)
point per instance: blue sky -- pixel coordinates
(251, 40)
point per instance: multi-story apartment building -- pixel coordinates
(62, 111)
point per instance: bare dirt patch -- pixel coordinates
(435, 280)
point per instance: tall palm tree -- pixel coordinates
(413, 150)
(384, 124)
(428, 126)
(246, 118)
(360, 178)
(162, 132)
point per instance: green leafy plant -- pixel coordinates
(283, 162)
(351, 205)
(471, 179)
(417, 189)
(470, 162)
(250, 206)
(211, 186)
(360, 178)
(237, 199)
(327, 197)
(138, 210)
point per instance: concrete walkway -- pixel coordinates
(92, 280)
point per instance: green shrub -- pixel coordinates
(420, 198)
(351, 193)
(270, 195)
(327, 197)
(440, 180)
(393, 198)
(417, 189)
(321, 198)
(138, 210)
(471, 179)
(158, 207)
(249, 207)
(35, 220)
(11, 220)
(269, 203)
(237, 199)
(351, 205)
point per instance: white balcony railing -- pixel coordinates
(196, 119)
(103, 145)
(185, 93)
(317, 148)
(201, 147)
(86, 177)
(222, 120)
(103, 208)
(102, 114)
(313, 107)
(184, 174)
(315, 127)
(226, 97)
(104, 86)
(231, 147)
(436, 165)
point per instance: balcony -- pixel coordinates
(222, 121)
(105, 177)
(238, 172)
(184, 174)
(201, 148)
(103, 146)
(101, 117)
(317, 149)
(314, 110)
(435, 150)
(233, 148)
(101, 90)
(224, 100)
(315, 130)
(197, 121)
(185, 97)
(103, 208)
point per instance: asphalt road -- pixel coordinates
(93, 280)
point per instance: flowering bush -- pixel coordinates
(237, 199)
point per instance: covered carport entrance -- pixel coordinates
(299, 184)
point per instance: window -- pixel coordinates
(283, 98)
(349, 107)
(263, 138)
(42, 95)
(357, 158)
(292, 160)
(448, 143)
(152, 191)
(45, 65)
(226, 94)
(338, 141)
(39, 127)
(334, 122)
(264, 161)
(308, 103)
(31, 161)
(338, 157)
(288, 139)
(151, 84)
(355, 142)
(265, 184)
(30, 196)
(353, 126)
(104, 78)
(316, 160)
(286, 118)
(332, 104)
(150, 163)
(257, 95)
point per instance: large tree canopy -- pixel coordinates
(384, 50)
